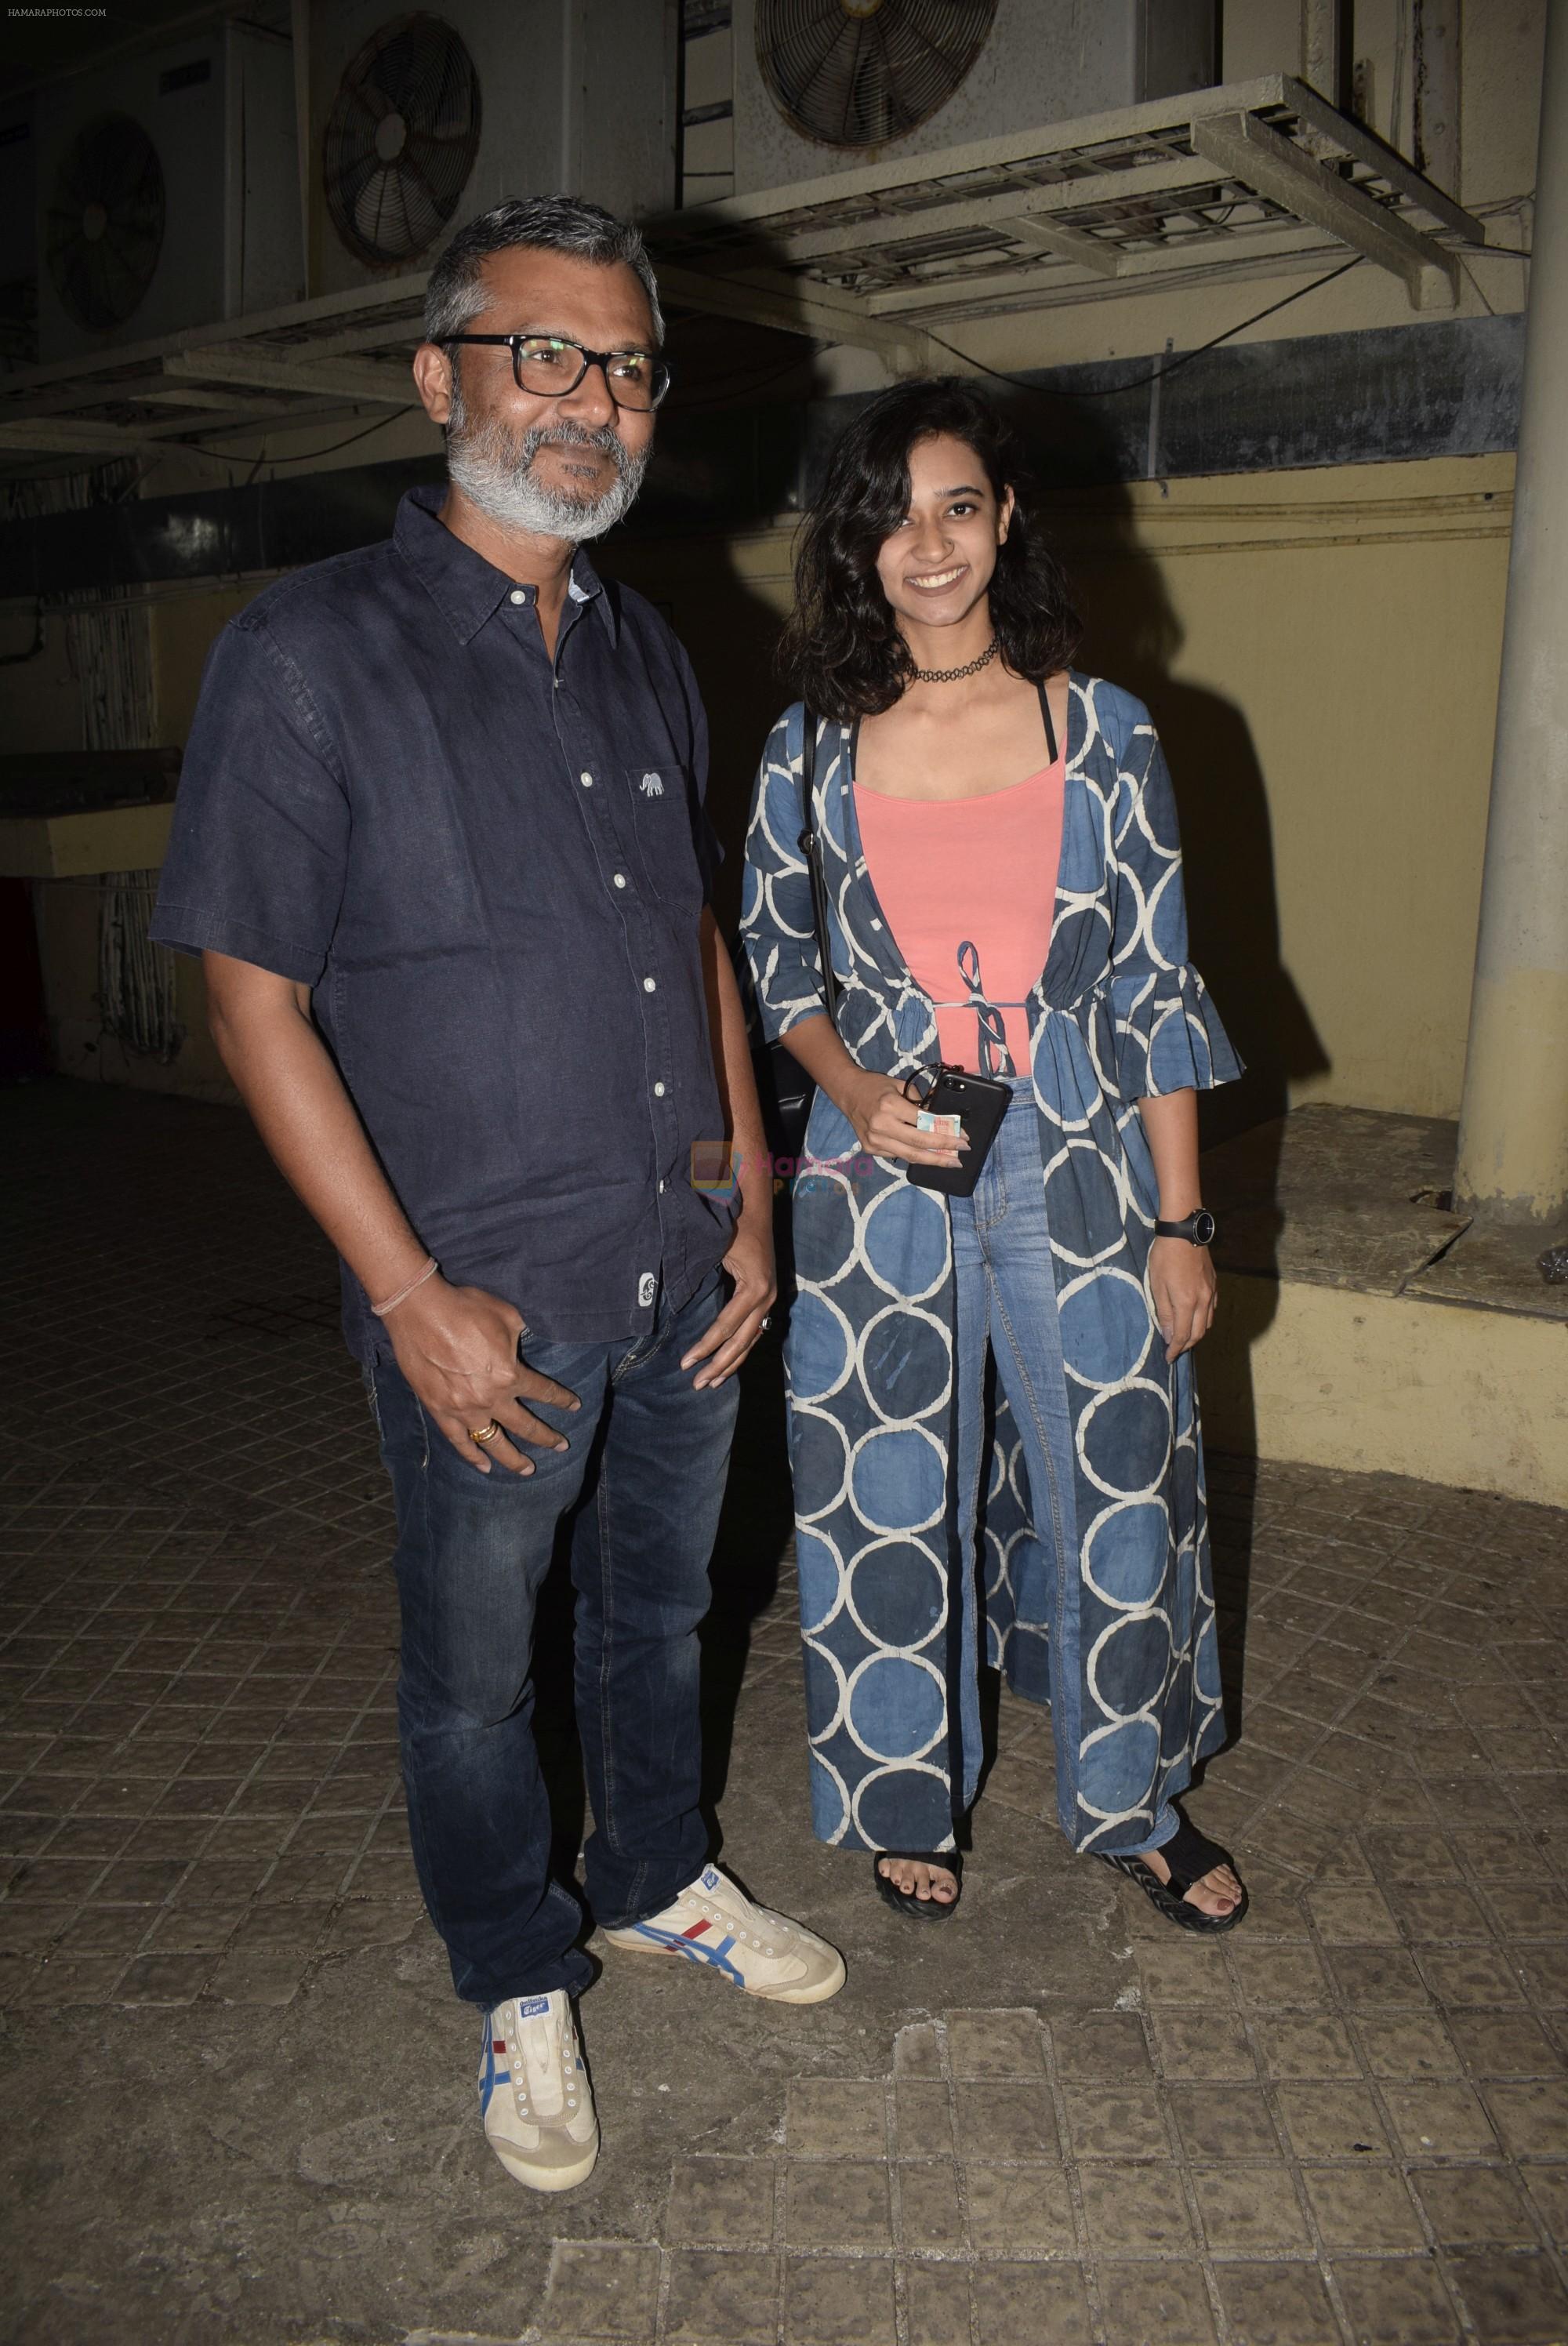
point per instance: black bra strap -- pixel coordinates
(1050, 728)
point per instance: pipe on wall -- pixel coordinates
(1512, 1162)
(1435, 61)
(1324, 47)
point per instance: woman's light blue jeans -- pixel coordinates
(1006, 1306)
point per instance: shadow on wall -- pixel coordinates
(1134, 635)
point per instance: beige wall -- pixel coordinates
(40, 699)
(184, 629)
(1393, 1385)
(1327, 690)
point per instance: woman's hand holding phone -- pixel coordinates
(887, 1122)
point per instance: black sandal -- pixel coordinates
(1190, 1855)
(904, 1902)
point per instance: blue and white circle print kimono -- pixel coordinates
(1117, 1013)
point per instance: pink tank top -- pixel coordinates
(975, 874)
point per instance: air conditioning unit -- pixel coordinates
(167, 192)
(419, 120)
(823, 86)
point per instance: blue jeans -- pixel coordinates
(648, 1457)
(1006, 1305)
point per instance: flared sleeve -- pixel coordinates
(777, 929)
(1169, 1037)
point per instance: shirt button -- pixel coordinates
(649, 986)
(658, 1091)
(518, 596)
(661, 1188)
(620, 879)
(586, 781)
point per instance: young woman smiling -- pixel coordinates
(992, 1397)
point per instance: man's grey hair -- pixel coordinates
(544, 224)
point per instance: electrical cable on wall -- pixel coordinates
(135, 978)
(1155, 374)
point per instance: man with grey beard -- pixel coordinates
(441, 844)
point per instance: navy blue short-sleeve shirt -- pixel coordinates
(491, 871)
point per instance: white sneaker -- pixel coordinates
(534, 2096)
(714, 1923)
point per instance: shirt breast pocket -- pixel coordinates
(662, 814)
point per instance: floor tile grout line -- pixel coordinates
(1515, 2166)
(943, 2043)
(1206, 2252)
(1217, 2310)
(1279, 2119)
(1373, 2085)
(1302, 1759)
(298, 1703)
(1073, 2179)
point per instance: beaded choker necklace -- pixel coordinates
(951, 674)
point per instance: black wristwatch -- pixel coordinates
(1199, 1228)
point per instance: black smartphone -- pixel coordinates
(980, 1102)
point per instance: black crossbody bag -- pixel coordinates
(787, 1090)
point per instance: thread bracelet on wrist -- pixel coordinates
(428, 1272)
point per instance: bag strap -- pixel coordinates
(1049, 728)
(810, 847)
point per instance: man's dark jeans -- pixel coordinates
(472, 1552)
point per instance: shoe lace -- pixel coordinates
(542, 2057)
(735, 1916)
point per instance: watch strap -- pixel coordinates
(1197, 1227)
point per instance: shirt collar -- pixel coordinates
(465, 588)
(585, 586)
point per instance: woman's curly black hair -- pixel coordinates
(842, 650)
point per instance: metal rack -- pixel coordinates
(314, 361)
(1246, 179)
(1253, 178)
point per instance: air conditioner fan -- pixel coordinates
(401, 139)
(103, 231)
(856, 73)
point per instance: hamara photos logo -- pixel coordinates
(717, 1168)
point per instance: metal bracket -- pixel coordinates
(1257, 155)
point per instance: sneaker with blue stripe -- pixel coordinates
(534, 2096)
(715, 1923)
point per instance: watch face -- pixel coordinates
(1204, 1227)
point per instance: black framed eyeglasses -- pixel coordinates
(549, 368)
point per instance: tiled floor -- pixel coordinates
(1055, 2119)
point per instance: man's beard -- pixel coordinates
(494, 469)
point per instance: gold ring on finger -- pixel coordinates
(483, 1432)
